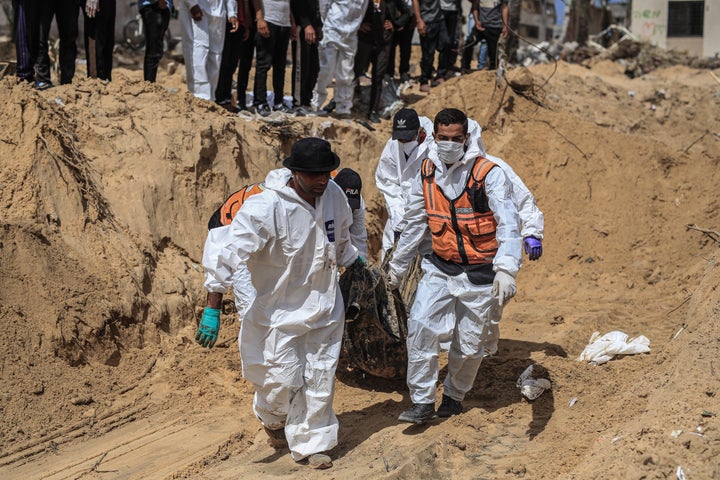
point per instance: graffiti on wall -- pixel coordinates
(649, 24)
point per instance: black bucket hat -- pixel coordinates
(312, 155)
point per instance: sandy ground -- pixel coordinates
(104, 201)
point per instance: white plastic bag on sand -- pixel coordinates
(602, 349)
(531, 388)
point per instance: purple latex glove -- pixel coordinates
(533, 247)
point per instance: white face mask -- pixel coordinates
(450, 152)
(409, 147)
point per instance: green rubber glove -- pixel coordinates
(209, 328)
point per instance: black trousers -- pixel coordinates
(378, 56)
(402, 40)
(100, 40)
(492, 37)
(448, 55)
(155, 24)
(305, 69)
(237, 54)
(26, 37)
(66, 15)
(270, 52)
(435, 39)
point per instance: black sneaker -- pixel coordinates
(43, 85)
(330, 106)
(281, 107)
(301, 110)
(449, 407)
(263, 109)
(227, 105)
(419, 413)
(404, 77)
(374, 117)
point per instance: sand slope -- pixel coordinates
(105, 194)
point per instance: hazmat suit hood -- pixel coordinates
(475, 137)
(473, 148)
(453, 178)
(277, 179)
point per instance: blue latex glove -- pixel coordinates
(533, 247)
(209, 328)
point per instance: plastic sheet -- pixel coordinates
(530, 387)
(602, 349)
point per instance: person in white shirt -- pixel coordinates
(274, 29)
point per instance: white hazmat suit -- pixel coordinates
(202, 43)
(452, 308)
(341, 22)
(531, 218)
(393, 177)
(283, 255)
(358, 230)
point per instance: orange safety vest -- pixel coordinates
(463, 229)
(225, 214)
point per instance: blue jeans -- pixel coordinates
(482, 52)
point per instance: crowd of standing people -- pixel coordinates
(332, 42)
(32, 20)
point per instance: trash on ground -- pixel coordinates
(680, 474)
(530, 387)
(602, 349)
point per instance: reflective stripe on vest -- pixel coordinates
(233, 203)
(463, 229)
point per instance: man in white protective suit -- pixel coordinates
(465, 202)
(281, 253)
(399, 164)
(203, 36)
(341, 22)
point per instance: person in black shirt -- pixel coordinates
(375, 41)
(305, 56)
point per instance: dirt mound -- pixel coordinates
(106, 193)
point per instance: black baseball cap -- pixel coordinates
(312, 155)
(351, 183)
(405, 124)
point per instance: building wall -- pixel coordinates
(649, 22)
(692, 45)
(711, 45)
